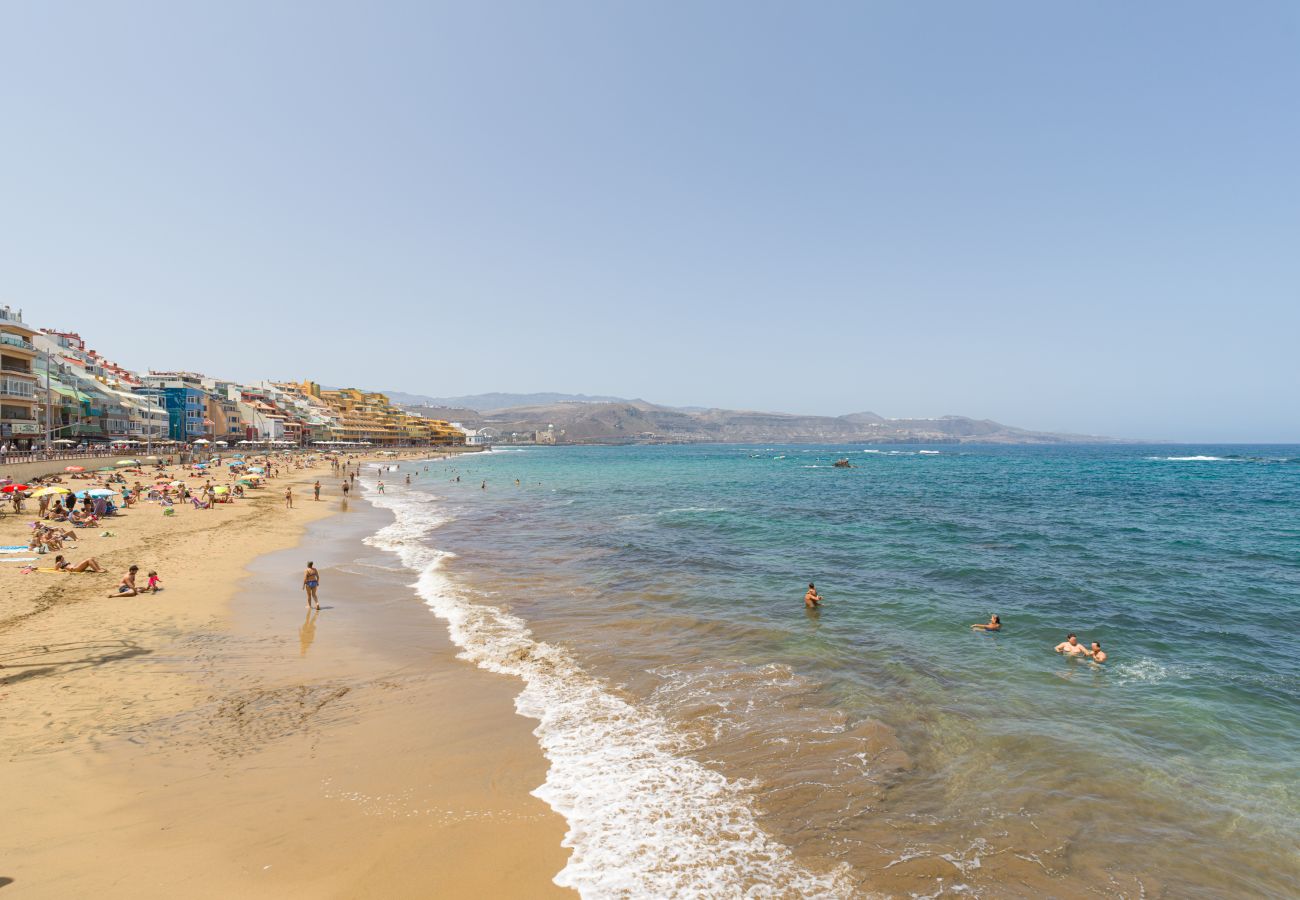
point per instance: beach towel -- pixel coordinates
(20, 559)
(14, 548)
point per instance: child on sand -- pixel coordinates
(155, 583)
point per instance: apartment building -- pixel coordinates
(19, 404)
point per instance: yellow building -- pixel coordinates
(370, 416)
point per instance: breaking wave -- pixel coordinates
(645, 819)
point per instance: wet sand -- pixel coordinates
(216, 739)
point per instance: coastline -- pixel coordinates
(214, 738)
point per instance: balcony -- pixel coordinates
(13, 387)
(9, 340)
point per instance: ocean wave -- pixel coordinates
(645, 820)
(1189, 458)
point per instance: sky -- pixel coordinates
(1077, 217)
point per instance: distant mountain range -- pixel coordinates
(490, 402)
(583, 419)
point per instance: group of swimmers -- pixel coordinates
(1070, 646)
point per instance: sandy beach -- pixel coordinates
(215, 738)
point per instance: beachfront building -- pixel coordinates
(19, 403)
(318, 421)
(91, 398)
(360, 415)
(369, 416)
(224, 411)
(186, 401)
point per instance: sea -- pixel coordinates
(709, 736)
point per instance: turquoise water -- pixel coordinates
(882, 737)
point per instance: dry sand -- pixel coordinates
(215, 739)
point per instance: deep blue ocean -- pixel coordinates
(879, 742)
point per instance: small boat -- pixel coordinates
(844, 464)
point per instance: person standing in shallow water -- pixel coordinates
(310, 582)
(316, 490)
(812, 599)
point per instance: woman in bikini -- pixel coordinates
(310, 582)
(90, 564)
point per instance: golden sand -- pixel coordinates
(216, 740)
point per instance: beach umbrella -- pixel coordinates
(203, 441)
(64, 441)
(74, 468)
(128, 462)
(94, 493)
(177, 483)
(221, 490)
(105, 469)
(257, 469)
(53, 489)
(10, 488)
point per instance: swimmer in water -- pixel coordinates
(1071, 646)
(812, 599)
(1097, 654)
(994, 624)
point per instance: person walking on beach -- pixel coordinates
(316, 490)
(288, 497)
(812, 599)
(310, 582)
(345, 489)
(1071, 646)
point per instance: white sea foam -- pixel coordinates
(1189, 458)
(645, 820)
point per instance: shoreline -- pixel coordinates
(212, 738)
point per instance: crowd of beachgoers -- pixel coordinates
(76, 503)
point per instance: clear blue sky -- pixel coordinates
(1080, 216)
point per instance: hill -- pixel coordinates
(635, 421)
(495, 401)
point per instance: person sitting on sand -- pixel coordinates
(89, 564)
(1097, 654)
(994, 624)
(126, 587)
(812, 599)
(1071, 646)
